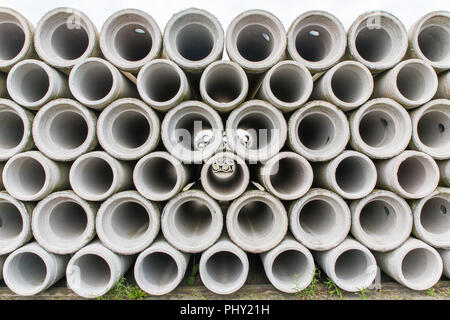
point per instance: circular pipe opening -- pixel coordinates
(161, 82)
(69, 43)
(255, 220)
(225, 182)
(373, 44)
(158, 176)
(350, 84)
(318, 218)
(11, 223)
(288, 84)
(434, 41)
(29, 82)
(159, 269)
(288, 176)
(130, 129)
(255, 130)
(192, 219)
(415, 82)
(224, 268)
(194, 42)
(433, 129)
(67, 221)
(26, 272)
(133, 42)
(316, 131)
(288, 266)
(377, 128)
(194, 131)
(351, 267)
(354, 174)
(92, 176)
(129, 221)
(25, 176)
(92, 81)
(435, 216)
(378, 219)
(419, 265)
(94, 274)
(313, 43)
(415, 175)
(11, 130)
(255, 42)
(12, 40)
(68, 130)
(224, 84)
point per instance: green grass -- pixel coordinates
(333, 289)
(310, 291)
(193, 275)
(362, 293)
(123, 290)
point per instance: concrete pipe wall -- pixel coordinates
(431, 129)
(30, 176)
(160, 268)
(317, 40)
(127, 223)
(15, 223)
(431, 219)
(94, 270)
(130, 38)
(318, 131)
(411, 83)
(287, 85)
(31, 270)
(96, 83)
(411, 174)
(443, 90)
(193, 39)
(64, 129)
(192, 221)
(381, 221)
(2, 165)
(65, 37)
(96, 176)
(445, 255)
(224, 267)
(15, 129)
(381, 128)
(347, 85)
(162, 84)
(350, 265)
(287, 175)
(128, 129)
(63, 223)
(32, 83)
(352, 175)
(192, 131)
(16, 36)
(414, 264)
(256, 131)
(378, 40)
(429, 39)
(444, 169)
(289, 266)
(320, 220)
(256, 221)
(223, 85)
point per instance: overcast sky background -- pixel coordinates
(347, 11)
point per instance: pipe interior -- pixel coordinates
(133, 42)
(193, 218)
(26, 176)
(224, 267)
(318, 218)
(256, 220)
(67, 220)
(129, 220)
(224, 84)
(414, 174)
(316, 131)
(130, 129)
(94, 176)
(352, 266)
(350, 84)
(30, 82)
(11, 130)
(314, 43)
(159, 176)
(192, 130)
(159, 269)
(224, 182)
(434, 41)
(289, 266)
(374, 44)
(354, 174)
(194, 42)
(161, 82)
(377, 128)
(27, 271)
(378, 219)
(12, 40)
(435, 215)
(69, 43)
(255, 42)
(288, 83)
(68, 130)
(256, 129)
(93, 271)
(433, 129)
(415, 81)
(93, 81)
(419, 265)
(11, 223)
(288, 176)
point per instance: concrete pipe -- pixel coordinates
(381, 221)
(32, 83)
(15, 129)
(96, 83)
(429, 39)
(15, 223)
(63, 223)
(127, 223)
(192, 131)
(256, 131)
(64, 129)
(287, 175)
(16, 37)
(225, 176)
(289, 266)
(31, 270)
(192, 221)
(352, 175)
(223, 85)
(431, 129)
(444, 169)
(350, 265)
(65, 37)
(162, 84)
(3, 91)
(431, 221)
(224, 267)
(287, 86)
(381, 128)
(2, 165)
(414, 264)
(160, 268)
(256, 221)
(94, 270)
(318, 131)
(317, 40)
(130, 38)
(378, 40)
(411, 83)
(347, 85)
(193, 39)
(128, 129)
(320, 220)
(411, 174)
(443, 90)
(445, 255)
(30, 176)
(96, 176)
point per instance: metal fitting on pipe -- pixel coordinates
(444, 169)
(32, 83)
(320, 220)
(63, 223)
(130, 38)
(64, 129)
(445, 255)
(96, 176)
(411, 174)
(443, 90)
(30, 176)
(351, 174)
(128, 129)
(65, 37)
(381, 221)
(381, 128)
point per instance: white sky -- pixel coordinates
(407, 11)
